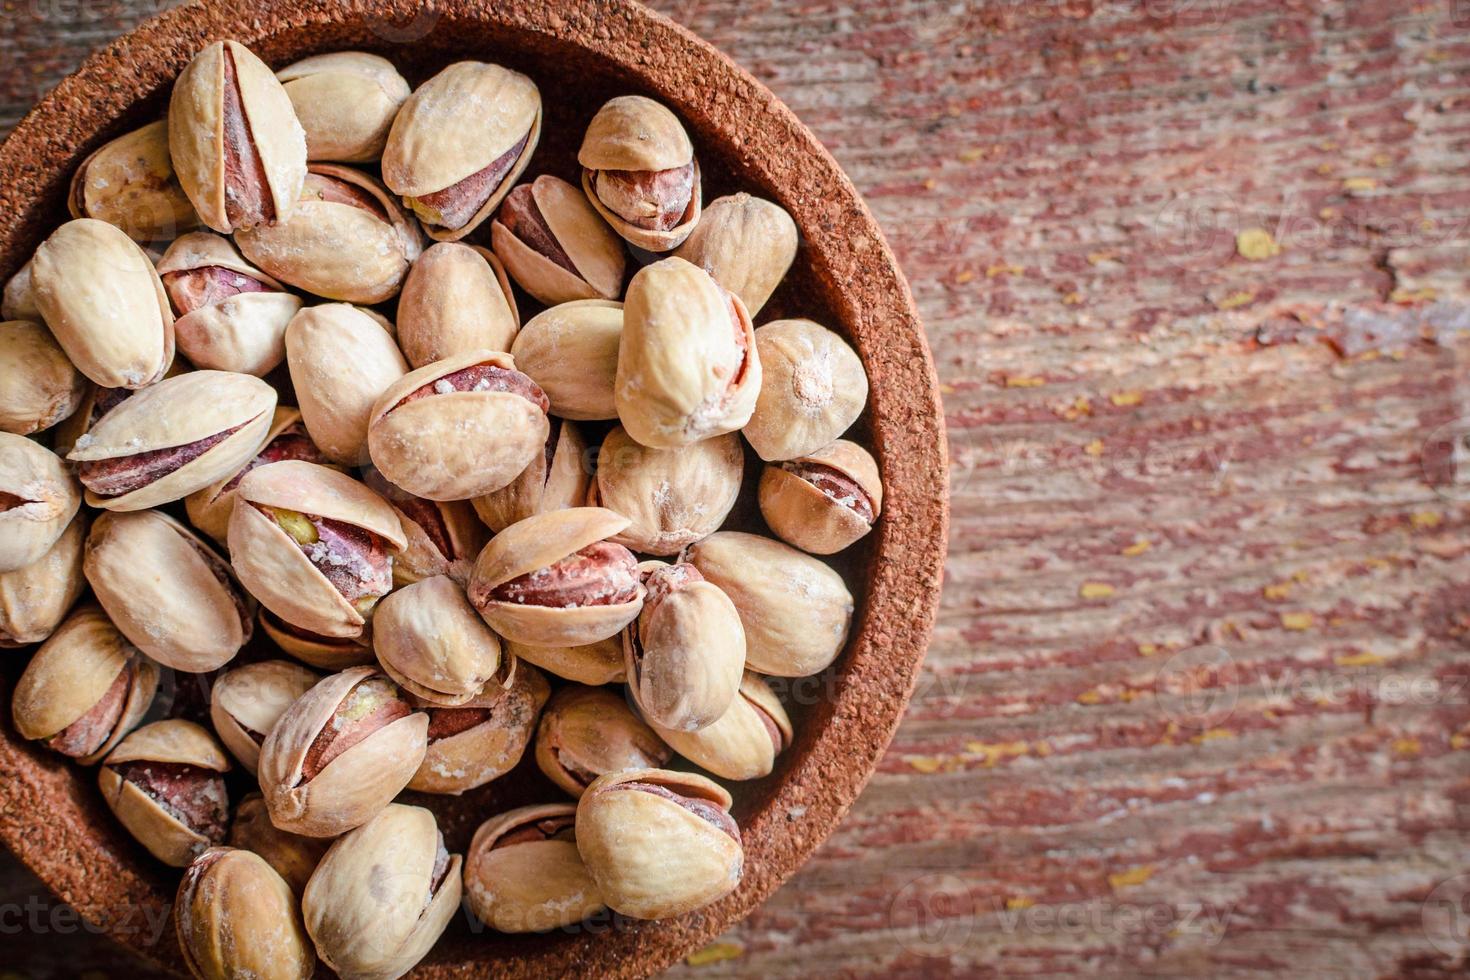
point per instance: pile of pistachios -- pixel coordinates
(405, 535)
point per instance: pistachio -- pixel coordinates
(796, 611)
(96, 402)
(687, 362)
(339, 754)
(104, 303)
(456, 299)
(130, 183)
(294, 857)
(331, 653)
(673, 497)
(347, 239)
(458, 428)
(341, 361)
(744, 742)
(176, 437)
(19, 302)
(313, 545)
(600, 662)
(553, 480)
(34, 599)
(485, 737)
(571, 351)
(453, 175)
(84, 689)
(236, 144)
(813, 389)
(746, 243)
(555, 245)
(38, 499)
(346, 102)
(640, 173)
(443, 536)
(587, 732)
(430, 640)
(165, 784)
(230, 315)
(38, 385)
(245, 704)
(167, 591)
(824, 501)
(236, 917)
(658, 843)
(554, 579)
(523, 872)
(383, 895)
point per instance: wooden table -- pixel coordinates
(1199, 700)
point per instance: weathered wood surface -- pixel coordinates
(1199, 701)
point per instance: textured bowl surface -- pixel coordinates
(580, 54)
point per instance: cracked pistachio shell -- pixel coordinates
(158, 827)
(594, 251)
(236, 917)
(245, 332)
(175, 413)
(346, 240)
(744, 742)
(651, 856)
(533, 885)
(38, 385)
(587, 732)
(238, 149)
(456, 299)
(673, 497)
(544, 485)
(444, 536)
(104, 303)
(346, 102)
(634, 133)
(746, 243)
(341, 360)
(294, 857)
(130, 183)
(682, 374)
(245, 704)
(330, 653)
(35, 599)
(96, 402)
(431, 641)
(484, 738)
(383, 895)
(455, 444)
(85, 688)
(819, 521)
(430, 149)
(813, 389)
(273, 567)
(38, 499)
(571, 351)
(19, 298)
(592, 663)
(355, 784)
(167, 591)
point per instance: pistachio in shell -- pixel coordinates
(824, 501)
(246, 702)
(640, 173)
(586, 732)
(456, 299)
(746, 243)
(745, 741)
(813, 389)
(555, 479)
(18, 302)
(673, 497)
(96, 402)
(235, 142)
(431, 641)
(600, 662)
(571, 351)
(294, 857)
(556, 245)
(328, 653)
(444, 536)
(236, 917)
(484, 738)
(346, 102)
(38, 499)
(38, 385)
(165, 783)
(129, 182)
(35, 599)
(523, 872)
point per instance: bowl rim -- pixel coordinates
(850, 259)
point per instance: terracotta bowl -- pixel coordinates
(50, 811)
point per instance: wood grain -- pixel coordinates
(1199, 702)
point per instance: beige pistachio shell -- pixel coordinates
(650, 857)
(588, 731)
(248, 701)
(632, 132)
(371, 907)
(489, 750)
(156, 826)
(326, 653)
(354, 786)
(541, 487)
(72, 672)
(746, 243)
(431, 641)
(96, 402)
(130, 183)
(292, 856)
(744, 742)
(236, 917)
(796, 610)
(341, 360)
(209, 509)
(813, 389)
(458, 444)
(40, 497)
(199, 134)
(443, 536)
(346, 101)
(38, 385)
(456, 299)
(532, 886)
(673, 497)
(681, 376)
(592, 663)
(104, 303)
(594, 250)
(648, 239)
(571, 351)
(808, 518)
(34, 599)
(18, 301)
